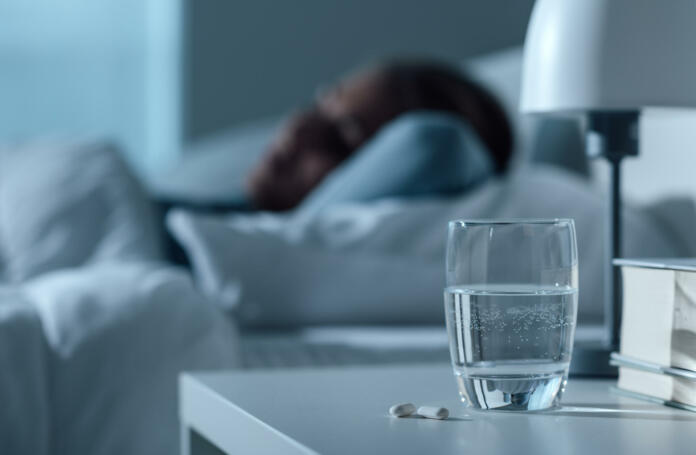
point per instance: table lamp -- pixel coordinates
(606, 60)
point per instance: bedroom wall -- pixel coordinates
(250, 59)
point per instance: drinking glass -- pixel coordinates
(511, 307)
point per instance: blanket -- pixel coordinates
(90, 358)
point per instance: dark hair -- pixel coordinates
(437, 86)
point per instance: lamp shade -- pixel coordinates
(609, 55)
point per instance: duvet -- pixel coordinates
(89, 358)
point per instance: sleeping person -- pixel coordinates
(397, 129)
(366, 182)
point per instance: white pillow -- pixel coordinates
(276, 282)
(384, 262)
(63, 204)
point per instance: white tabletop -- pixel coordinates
(345, 411)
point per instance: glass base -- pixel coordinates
(512, 393)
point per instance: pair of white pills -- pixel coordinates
(429, 412)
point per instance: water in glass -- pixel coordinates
(510, 345)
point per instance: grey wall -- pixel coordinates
(248, 59)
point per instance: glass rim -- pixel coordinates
(509, 221)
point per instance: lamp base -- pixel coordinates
(591, 358)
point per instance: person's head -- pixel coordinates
(315, 141)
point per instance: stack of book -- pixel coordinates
(657, 358)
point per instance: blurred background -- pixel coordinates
(159, 77)
(155, 75)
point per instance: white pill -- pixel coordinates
(402, 409)
(433, 412)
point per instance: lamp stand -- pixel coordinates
(612, 135)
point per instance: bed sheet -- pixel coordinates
(91, 358)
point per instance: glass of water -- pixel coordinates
(511, 306)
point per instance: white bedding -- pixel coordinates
(383, 262)
(93, 331)
(90, 358)
(24, 413)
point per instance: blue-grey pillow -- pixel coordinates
(420, 153)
